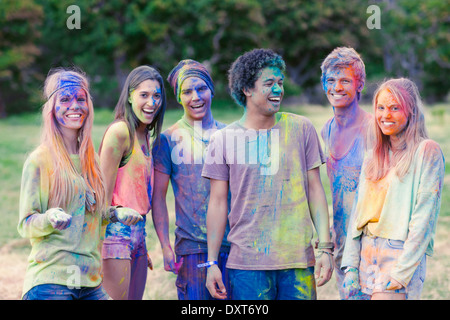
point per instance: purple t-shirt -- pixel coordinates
(180, 155)
(270, 222)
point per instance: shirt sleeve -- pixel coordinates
(423, 220)
(313, 149)
(162, 156)
(215, 165)
(33, 222)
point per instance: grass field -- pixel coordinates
(20, 134)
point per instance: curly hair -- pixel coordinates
(245, 71)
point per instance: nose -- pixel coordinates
(277, 88)
(150, 102)
(74, 104)
(338, 86)
(195, 95)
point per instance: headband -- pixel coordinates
(185, 69)
(68, 83)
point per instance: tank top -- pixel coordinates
(134, 182)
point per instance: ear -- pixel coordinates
(247, 92)
(360, 86)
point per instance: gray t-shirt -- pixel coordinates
(270, 221)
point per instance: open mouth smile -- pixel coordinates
(275, 99)
(148, 111)
(197, 106)
(73, 116)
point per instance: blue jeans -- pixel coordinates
(191, 280)
(289, 284)
(60, 292)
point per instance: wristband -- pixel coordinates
(206, 264)
(326, 245)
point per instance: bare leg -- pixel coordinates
(116, 278)
(138, 278)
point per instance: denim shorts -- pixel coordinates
(124, 242)
(60, 292)
(288, 284)
(378, 257)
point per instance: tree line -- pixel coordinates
(117, 35)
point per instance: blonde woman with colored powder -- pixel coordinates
(127, 165)
(62, 198)
(399, 198)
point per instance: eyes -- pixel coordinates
(391, 108)
(343, 81)
(145, 95)
(200, 89)
(270, 83)
(67, 99)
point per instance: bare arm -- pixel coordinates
(216, 221)
(114, 146)
(319, 213)
(160, 217)
(115, 143)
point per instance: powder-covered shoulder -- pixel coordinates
(300, 120)
(430, 154)
(325, 129)
(38, 157)
(430, 149)
(119, 130)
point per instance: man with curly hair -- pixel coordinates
(270, 161)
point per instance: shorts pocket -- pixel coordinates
(395, 244)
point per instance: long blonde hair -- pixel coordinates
(407, 95)
(64, 175)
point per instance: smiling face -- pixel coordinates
(146, 100)
(195, 97)
(341, 87)
(268, 92)
(390, 115)
(71, 108)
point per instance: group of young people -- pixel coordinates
(248, 195)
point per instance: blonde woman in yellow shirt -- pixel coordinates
(399, 198)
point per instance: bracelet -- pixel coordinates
(206, 264)
(326, 245)
(322, 252)
(350, 269)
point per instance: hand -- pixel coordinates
(127, 216)
(149, 262)
(394, 285)
(324, 269)
(214, 283)
(58, 218)
(351, 283)
(169, 261)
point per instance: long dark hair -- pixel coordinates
(124, 111)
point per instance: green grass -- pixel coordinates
(20, 134)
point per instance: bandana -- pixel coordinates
(185, 69)
(68, 81)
